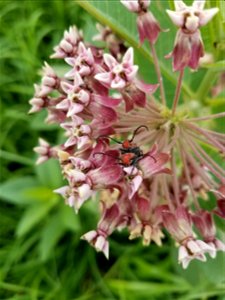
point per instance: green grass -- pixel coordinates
(41, 254)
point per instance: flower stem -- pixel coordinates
(219, 115)
(188, 177)
(177, 93)
(158, 72)
(174, 178)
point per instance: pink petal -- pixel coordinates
(70, 74)
(64, 105)
(118, 83)
(135, 184)
(89, 236)
(82, 141)
(71, 61)
(199, 4)
(104, 78)
(197, 51)
(106, 175)
(67, 87)
(132, 6)
(176, 17)
(146, 87)
(102, 113)
(78, 81)
(132, 73)
(75, 109)
(107, 101)
(179, 5)
(81, 48)
(110, 60)
(129, 56)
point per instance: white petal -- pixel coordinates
(110, 60)
(199, 4)
(103, 77)
(89, 236)
(179, 5)
(176, 17)
(207, 15)
(129, 56)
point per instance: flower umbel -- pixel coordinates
(147, 163)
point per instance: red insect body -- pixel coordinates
(130, 153)
(127, 158)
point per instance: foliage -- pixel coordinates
(41, 255)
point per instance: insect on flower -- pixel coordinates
(130, 153)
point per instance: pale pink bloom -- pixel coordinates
(193, 249)
(78, 133)
(107, 224)
(76, 196)
(135, 182)
(68, 45)
(148, 26)
(77, 98)
(98, 240)
(188, 48)
(45, 151)
(120, 74)
(204, 222)
(149, 222)
(136, 6)
(37, 101)
(83, 63)
(49, 82)
(178, 223)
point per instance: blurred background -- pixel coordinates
(41, 254)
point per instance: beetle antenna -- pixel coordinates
(108, 137)
(136, 130)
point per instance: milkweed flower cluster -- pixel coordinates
(144, 160)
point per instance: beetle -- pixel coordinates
(130, 153)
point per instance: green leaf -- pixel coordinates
(50, 236)
(49, 174)
(17, 190)
(34, 214)
(69, 219)
(141, 289)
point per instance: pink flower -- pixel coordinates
(148, 26)
(188, 48)
(78, 133)
(204, 222)
(83, 63)
(106, 226)
(193, 249)
(120, 74)
(45, 151)
(68, 45)
(77, 98)
(149, 222)
(75, 196)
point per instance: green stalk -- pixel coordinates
(206, 85)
